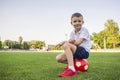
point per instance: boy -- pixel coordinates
(78, 46)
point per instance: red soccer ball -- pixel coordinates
(81, 65)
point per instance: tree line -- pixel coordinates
(107, 38)
(20, 44)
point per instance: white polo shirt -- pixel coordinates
(83, 33)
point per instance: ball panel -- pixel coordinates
(86, 67)
(81, 65)
(78, 64)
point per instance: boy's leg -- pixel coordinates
(69, 50)
(62, 58)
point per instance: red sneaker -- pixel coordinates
(65, 68)
(68, 73)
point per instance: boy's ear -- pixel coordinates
(71, 22)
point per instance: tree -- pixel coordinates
(7, 43)
(0, 44)
(54, 47)
(16, 45)
(20, 39)
(109, 37)
(112, 32)
(37, 44)
(118, 44)
(97, 39)
(25, 45)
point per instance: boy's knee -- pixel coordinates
(66, 45)
(59, 59)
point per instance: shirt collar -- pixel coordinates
(77, 32)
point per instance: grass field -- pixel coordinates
(42, 66)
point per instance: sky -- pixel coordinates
(49, 20)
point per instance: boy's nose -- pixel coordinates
(77, 22)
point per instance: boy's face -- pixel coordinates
(77, 22)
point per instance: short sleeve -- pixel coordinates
(84, 34)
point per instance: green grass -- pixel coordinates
(42, 66)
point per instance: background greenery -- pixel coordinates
(109, 38)
(42, 66)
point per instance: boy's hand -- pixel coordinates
(58, 44)
(61, 43)
(71, 41)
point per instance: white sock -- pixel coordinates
(72, 68)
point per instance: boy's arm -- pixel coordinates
(79, 41)
(76, 42)
(61, 43)
(71, 40)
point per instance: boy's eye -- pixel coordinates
(77, 21)
(74, 21)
